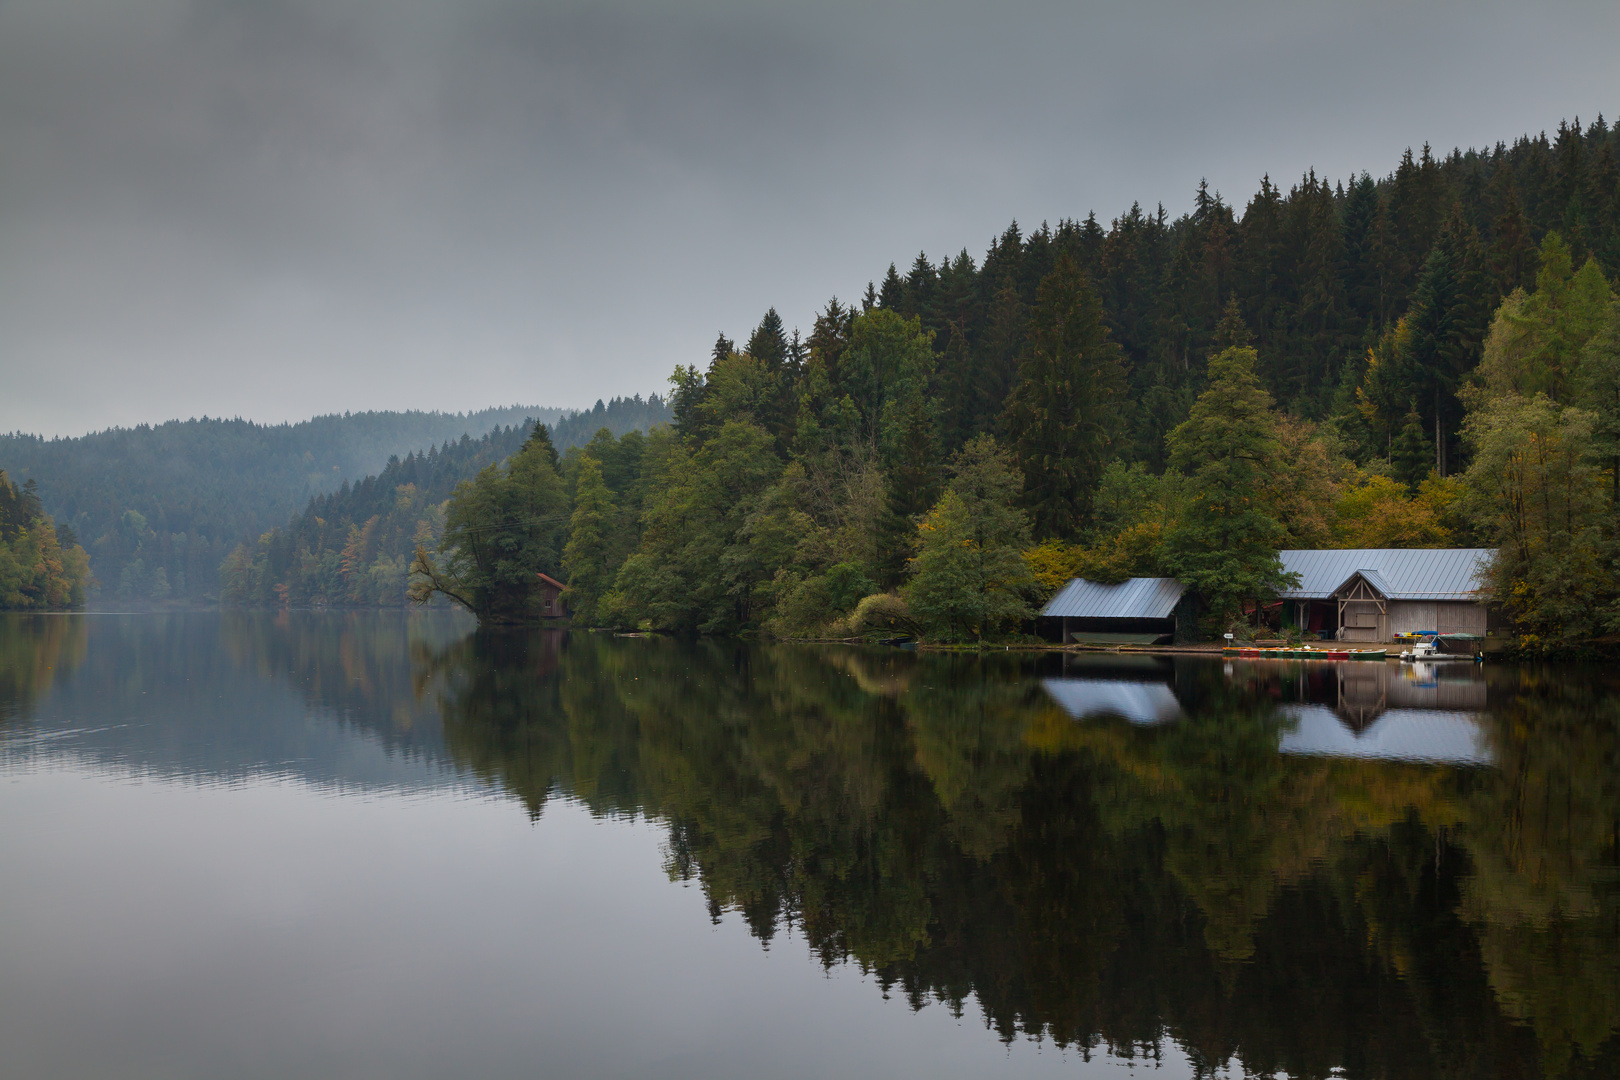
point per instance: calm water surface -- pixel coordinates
(333, 845)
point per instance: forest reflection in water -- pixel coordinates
(1299, 868)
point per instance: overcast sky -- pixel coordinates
(278, 208)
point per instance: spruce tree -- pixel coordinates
(1512, 253)
(1224, 545)
(540, 440)
(723, 347)
(1411, 455)
(768, 343)
(1066, 412)
(891, 296)
(1448, 319)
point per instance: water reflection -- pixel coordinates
(1301, 869)
(1307, 869)
(324, 698)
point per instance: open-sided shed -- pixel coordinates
(1137, 608)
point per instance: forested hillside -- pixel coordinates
(1431, 358)
(1319, 272)
(179, 496)
(352, 547)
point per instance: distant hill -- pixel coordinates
(183, 494)
(353, 547)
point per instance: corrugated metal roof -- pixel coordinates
(1136, 598)
(1400, 574)
(1431, 735)
(1371, 576)
(1138, 702)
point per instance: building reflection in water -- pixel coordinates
(1397, 712)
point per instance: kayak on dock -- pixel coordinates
(1303, 653)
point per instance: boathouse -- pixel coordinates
(1139, 611)
(1372, 594)
(550, 597)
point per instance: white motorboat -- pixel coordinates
(1429, 652)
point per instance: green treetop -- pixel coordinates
(587, 558)
(1412, 454)
(969, 577)
(502, 529)
(1066, 413)
(1224, 546)
(1599, 385)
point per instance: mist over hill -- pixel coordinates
(179, 496)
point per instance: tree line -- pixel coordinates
(159, 507)
(42, 567)
(1339, 365)
(353, 547)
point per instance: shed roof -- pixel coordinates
(1450, 736)
(1138, 702)
(1398, 573)
(1134, 598)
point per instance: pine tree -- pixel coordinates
(892, 294)
(540, 440)
(1065, 415)
(768, 343)
(723, 347)
(829, 337)
(1513, 255)
(1224, 546)
(1449, 313)
(1411, 456)
(918, 296)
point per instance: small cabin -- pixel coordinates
(1372, 594)
(1135, 611)
(551, 601)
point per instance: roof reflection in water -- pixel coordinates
(1138, 702)
(1405, 712)
(1136, 688)
(1437, 735)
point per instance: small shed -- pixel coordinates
(1137, 609)
(1372, 594)
(550, 598)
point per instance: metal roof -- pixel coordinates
(1398, 573)
(1449, 736)
(1138, 702)
(1135, 598)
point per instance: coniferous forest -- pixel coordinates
(1427, 359)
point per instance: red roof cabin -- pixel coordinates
(551, 602)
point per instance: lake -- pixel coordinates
(319, 844)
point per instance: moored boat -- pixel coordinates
(1246, 652)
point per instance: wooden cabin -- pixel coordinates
(551, 601)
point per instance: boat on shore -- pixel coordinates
(1461, 647)
(1302, 652)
